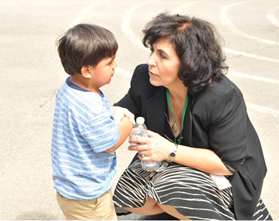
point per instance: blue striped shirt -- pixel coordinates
(83, 128)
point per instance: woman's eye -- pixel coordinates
(162, 55)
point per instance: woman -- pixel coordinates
(197, 122)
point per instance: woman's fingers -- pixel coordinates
(138, 147)
(151, 133)
(120, 112)
(148, 147)
(143, 157)
(130, 115)
(139, 140)
(141, 154)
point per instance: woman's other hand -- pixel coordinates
(120, 112)
(153, 148)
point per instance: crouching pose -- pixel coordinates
(198, 126)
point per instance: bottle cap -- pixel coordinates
(140, 120)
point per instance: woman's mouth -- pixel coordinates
(151, 73)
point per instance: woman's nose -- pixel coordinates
(151, 60)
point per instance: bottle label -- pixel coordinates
(150, 166)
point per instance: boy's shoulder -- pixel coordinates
(75, 97)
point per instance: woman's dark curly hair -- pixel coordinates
(197, 45)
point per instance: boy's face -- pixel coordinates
(103, 71)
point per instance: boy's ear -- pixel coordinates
(86, 71)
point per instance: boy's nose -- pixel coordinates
(114, 65)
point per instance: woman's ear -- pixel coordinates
(86, 71)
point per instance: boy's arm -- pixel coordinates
(125, 127)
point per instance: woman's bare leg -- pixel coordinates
(172, 211)
(152, 207)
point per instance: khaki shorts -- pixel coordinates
(101, 208)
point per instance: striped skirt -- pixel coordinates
(191, 192)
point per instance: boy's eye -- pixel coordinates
(111, 62)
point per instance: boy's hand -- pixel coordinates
(120, 112)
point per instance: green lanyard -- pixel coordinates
(183, 114)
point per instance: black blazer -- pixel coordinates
(216, 118)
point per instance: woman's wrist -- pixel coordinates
(172, 153)
(169, 148)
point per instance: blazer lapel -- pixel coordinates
(155, 110)
(187, 126)
(155, 114)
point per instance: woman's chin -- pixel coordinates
(154, 82)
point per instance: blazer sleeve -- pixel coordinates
(132, 100)
(228, 128)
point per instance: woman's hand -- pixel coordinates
(156, 148)
(153, 148)
(120, 112)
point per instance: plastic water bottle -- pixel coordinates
(140, 130)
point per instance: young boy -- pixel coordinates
(85, 135)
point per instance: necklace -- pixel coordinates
(183, 114)
(174, 126)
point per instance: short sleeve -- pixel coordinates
(101, 132)
(228, 129)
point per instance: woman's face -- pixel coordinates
(163, 64)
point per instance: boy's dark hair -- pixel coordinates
(85, 44)
(197, 45)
